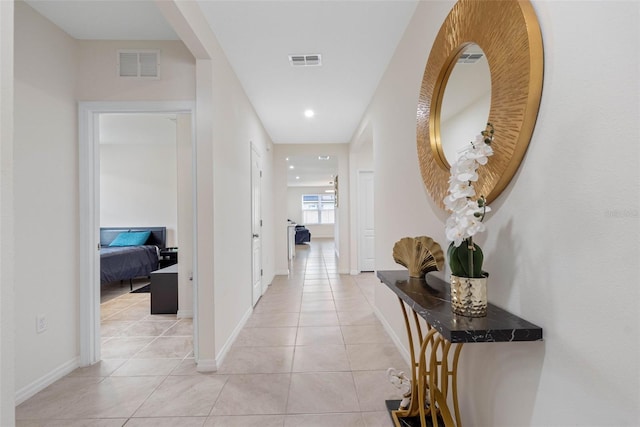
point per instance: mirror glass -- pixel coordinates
(466, 102)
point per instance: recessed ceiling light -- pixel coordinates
(297, 177)
(329, 191)
(286, 158)
(291, 167)
(323, 157)
(309, 113)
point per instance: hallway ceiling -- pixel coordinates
(311, 171)
(106, 19)
(355, 38)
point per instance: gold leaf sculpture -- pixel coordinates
(419, 254)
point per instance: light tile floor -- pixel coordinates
(313, 354)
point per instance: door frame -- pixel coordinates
(89, 212)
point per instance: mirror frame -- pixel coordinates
(509, 34)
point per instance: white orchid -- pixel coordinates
(466, 214)
(462, 190)
(467, 211)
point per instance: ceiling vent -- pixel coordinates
(306, 60)
(139, 63)
(469, 58)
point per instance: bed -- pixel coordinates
(119, 263)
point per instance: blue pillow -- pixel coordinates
(132, 238)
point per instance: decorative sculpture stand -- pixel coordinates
(432, 376)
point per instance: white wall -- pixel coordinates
(7, 334)
(281, 152)
(294, 210)
(224, 206)
(235, 125)
(562, 243)
(46, 177)
(84, 70)
(138, 184)
(227, 126)
(98, 79)
(46, 198)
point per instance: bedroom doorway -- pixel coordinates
(91, 113)
(138, 188)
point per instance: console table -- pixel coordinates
(433, 374)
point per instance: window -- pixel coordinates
(318, 208)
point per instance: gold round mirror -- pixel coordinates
(508, 35)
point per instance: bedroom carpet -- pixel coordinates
(311, 354)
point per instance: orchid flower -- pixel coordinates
(466, 213)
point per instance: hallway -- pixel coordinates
(312, 354)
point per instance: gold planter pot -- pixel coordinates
(469, 296)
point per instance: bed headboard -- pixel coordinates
(158, 235)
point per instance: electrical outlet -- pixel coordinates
(41, 323)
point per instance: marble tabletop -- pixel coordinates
(431, 299)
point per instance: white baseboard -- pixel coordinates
(206, 365)
(282, 272)
(268, 282)
(343, 271)
(404, 352)
(46, 380)
(225, 349)
(185, 314)
(354, 272)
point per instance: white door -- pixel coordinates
(256, 226)
(366, 231)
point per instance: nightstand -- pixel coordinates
(168, 256)
(164, 290)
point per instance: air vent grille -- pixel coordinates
(306, 60)
(139, 63)
(469, 58)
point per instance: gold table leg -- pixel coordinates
(430, 376)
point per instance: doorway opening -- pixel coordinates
(312, 200)
(101, 128)
(138, 188)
